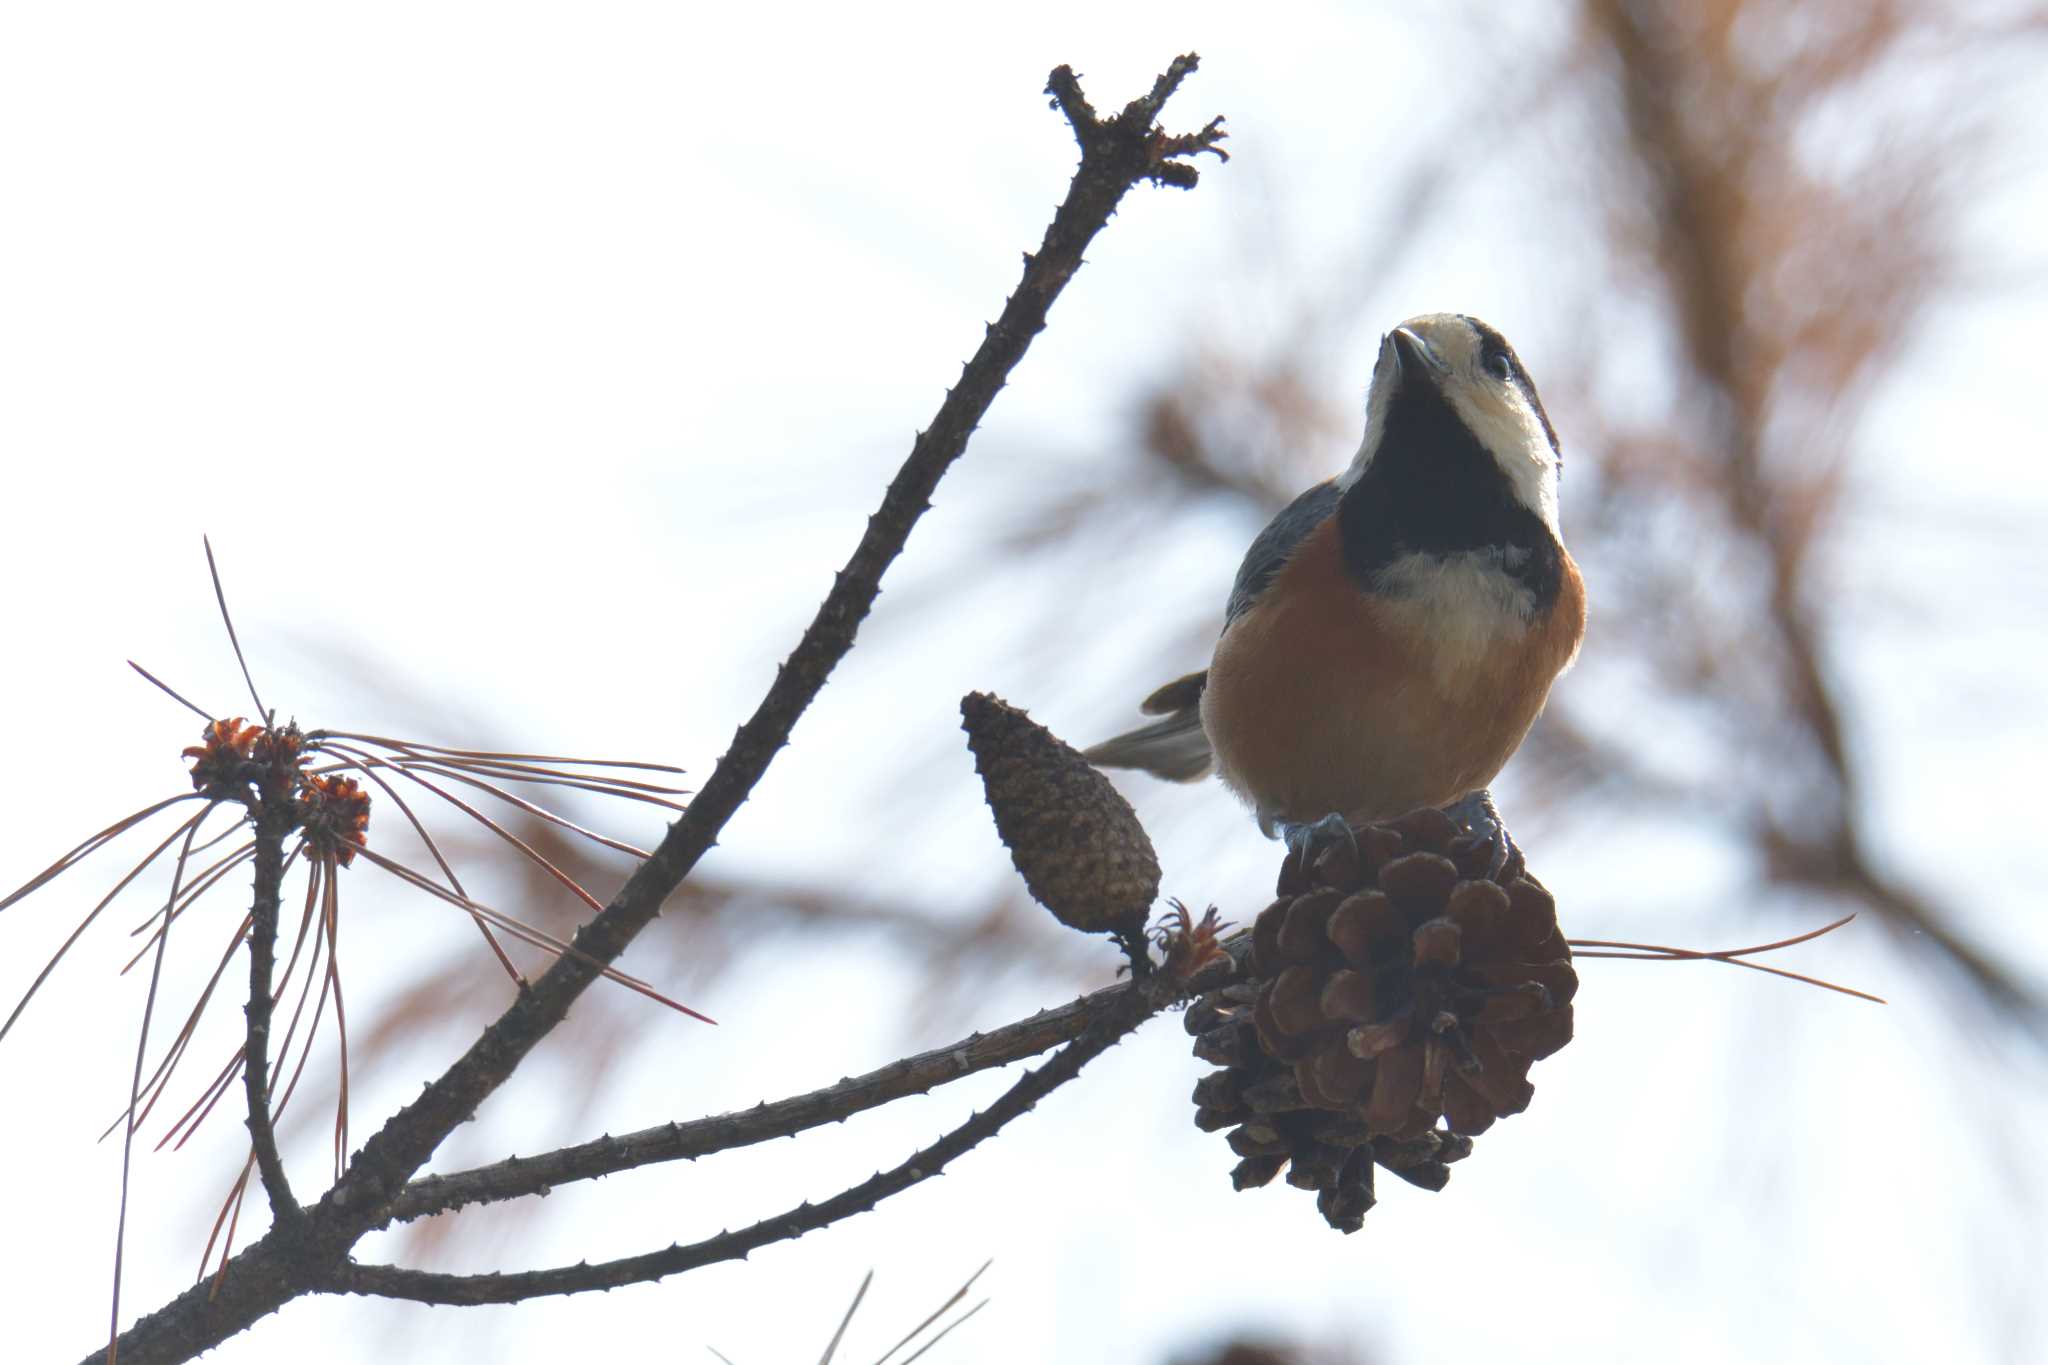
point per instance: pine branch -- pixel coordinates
(927, 1071)
(273, 825)
(1124, 1012)
(288, 1261)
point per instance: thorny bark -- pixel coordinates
(305, 1255)
(915, 1075)
(1119, 1012)
(273, 826)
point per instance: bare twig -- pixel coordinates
(1116, 155)
(1128, 1011)
(918, 1075)
(274, 823)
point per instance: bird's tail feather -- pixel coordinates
(1175, 747)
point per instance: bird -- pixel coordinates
(1394, 632)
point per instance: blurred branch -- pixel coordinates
(1709, 134)
(1249, 1349)
(294, 1257)
(713, 926)
(1773, 230)
(723, 918)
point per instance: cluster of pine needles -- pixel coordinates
(305, 797)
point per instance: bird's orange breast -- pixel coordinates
(1323, 697)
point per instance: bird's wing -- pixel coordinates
(1276, 544)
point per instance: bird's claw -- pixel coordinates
(1478, 815)
(1306, 841)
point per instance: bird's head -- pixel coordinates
(1444, 380)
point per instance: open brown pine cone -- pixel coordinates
(1395, 1000)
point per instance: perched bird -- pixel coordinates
(1393, 632)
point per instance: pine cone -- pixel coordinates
(1075, 840)
(1392, 986)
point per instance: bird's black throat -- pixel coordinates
(1433, 489)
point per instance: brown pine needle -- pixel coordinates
(333, 913)
(832, 1346)
(94, 914)
(221, 837)
(240, 1189)
(1734, 957)
(208, 1097)
(944, 1331)
(652, 792)
(542, 812)
(306, 931)
(171, 692)
(936, 1314)
(234, 1065)
(231, 1205)
(228, 620)
(218, 1090)
(526, 933)
(601, 783)
(201, 884)
(493, 755)
(189, 1122)
(434, 850)
(93, 845)
(313, 973)
(531, 854)
(134, 1095)
(364, 762)
(160, 1079)
(284, 1099)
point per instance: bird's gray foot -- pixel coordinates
(1477, 814)
(1307, 841)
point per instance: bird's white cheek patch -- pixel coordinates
(1514, 428)
(1459, 609)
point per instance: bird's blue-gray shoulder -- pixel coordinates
(1276, 545)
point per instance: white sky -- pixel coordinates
(627, 311)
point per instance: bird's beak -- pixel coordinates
(1414, 357)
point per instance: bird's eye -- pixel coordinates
(1500, 365)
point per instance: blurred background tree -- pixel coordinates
(1771, 264)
